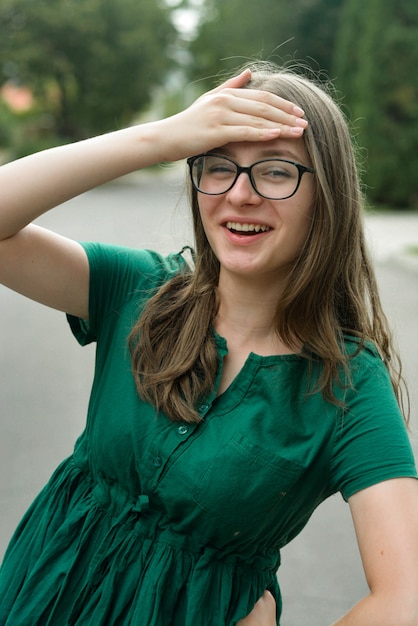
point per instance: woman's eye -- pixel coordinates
(220, 169)
(276, 173)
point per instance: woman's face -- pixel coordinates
(254, 237)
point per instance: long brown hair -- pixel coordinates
(331, 289)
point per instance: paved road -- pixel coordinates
(45, 379)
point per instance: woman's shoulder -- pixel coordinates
(355, 344)
(138, 264)
(100, 252)
(367, 366)
(360, 351)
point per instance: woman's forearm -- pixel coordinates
(33, 185)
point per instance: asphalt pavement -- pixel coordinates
(45, 378)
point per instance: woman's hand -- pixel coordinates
(229, 114)
(263, 613)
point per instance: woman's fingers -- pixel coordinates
(261, 107)
(236, 82)
(239, 81)
(249, 115)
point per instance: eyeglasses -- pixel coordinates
(274, 179)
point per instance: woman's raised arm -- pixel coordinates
(52, 269)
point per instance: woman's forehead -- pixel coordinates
(292, 149)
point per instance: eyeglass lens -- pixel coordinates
(272, 178)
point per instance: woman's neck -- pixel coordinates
(247, 311)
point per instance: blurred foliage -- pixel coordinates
(231, 33)
(8, 122)
(95, 65)
(376, 63)
(90, 64)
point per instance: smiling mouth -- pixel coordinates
(246, 229)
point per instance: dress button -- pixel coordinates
(157, 461)
(182, 430)
(203, 407)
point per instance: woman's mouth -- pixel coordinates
(246, 229)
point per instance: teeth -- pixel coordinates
(245, 228)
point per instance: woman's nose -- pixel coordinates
(243, 191)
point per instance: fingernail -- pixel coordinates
(296, 130)
(298, 111)
(301, 122)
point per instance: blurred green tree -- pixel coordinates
(376, 66)
(92, 64)
(233, 32)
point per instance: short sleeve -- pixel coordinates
(372, 443)
(119, 274)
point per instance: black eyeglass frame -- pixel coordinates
(302, 169)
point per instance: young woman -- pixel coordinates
(229, 399)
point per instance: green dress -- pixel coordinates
(155, 523)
